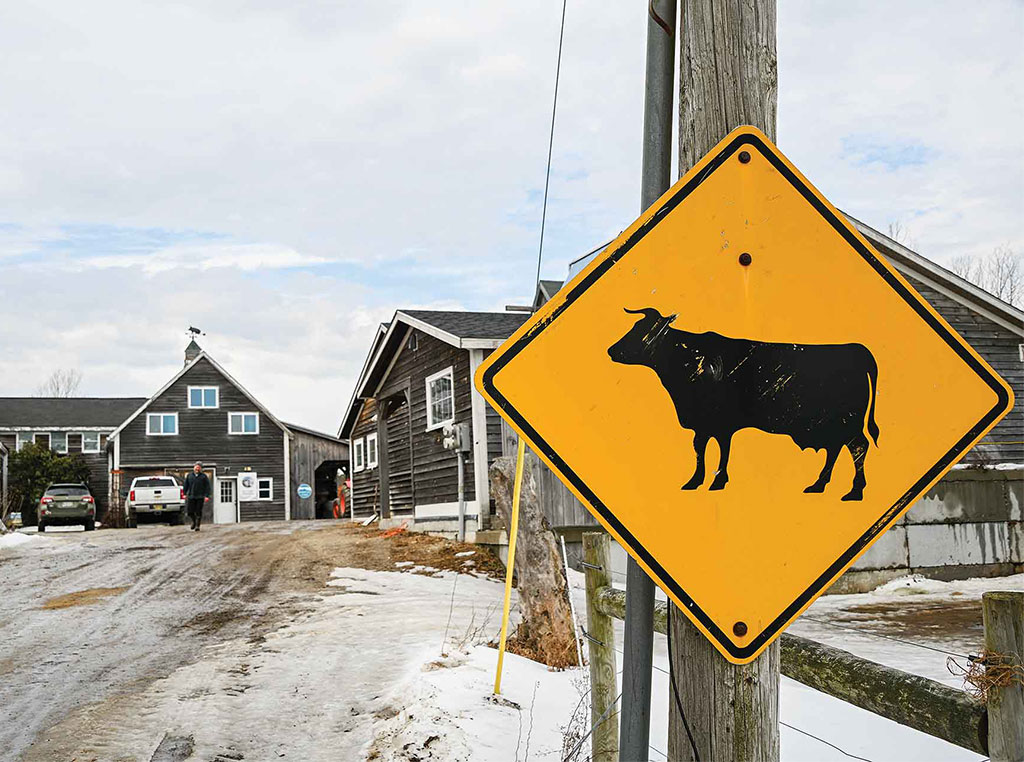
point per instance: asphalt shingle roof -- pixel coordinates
(472, 325)
(69, 411)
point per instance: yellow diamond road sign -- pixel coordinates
(743, 392)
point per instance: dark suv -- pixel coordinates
(67, 504)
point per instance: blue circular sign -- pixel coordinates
(305, 491)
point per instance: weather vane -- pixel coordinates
(193, 332)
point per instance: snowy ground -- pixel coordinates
(266, 642)
(449, 699)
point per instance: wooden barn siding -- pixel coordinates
(365, 483)
(307, 453)
(435, 470)
(1000, 348)
(99, 474)
(203, 435)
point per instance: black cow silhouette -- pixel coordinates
(818, 394)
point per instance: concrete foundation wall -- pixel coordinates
(969, 525)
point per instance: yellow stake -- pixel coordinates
(511, 561)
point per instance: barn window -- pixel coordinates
(90, 441)
(24, 438)
(358, 451)
(161, 424)
(265, 488)
(440, 399)
(59, 442)
(203, 396)
(243, 423)
(371, 451)
(42, 439)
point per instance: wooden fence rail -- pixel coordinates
(911, 700)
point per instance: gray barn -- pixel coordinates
(204, 414)
(417, 377)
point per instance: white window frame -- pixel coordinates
(202, 395)
(99, 437)
(46, 434)
(358, 455)
(431, 424)
(242, 415)
(372, 463)
(19, 443)
(162, 433)
(259, 480)
(65, 450)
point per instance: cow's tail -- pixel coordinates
(873, 376)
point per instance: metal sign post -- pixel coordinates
(638, 645)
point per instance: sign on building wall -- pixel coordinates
(248, 488)
(305, 491)
(743, 392)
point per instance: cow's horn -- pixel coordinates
(646, 312)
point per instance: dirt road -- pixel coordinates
(143, 644)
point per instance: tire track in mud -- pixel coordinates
(180, 597)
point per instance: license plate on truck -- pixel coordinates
(158, 507)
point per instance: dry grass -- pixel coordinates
(82, 597)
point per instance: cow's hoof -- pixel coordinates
(693, 483)
(815, 488)
(854, 494)
(718, 484)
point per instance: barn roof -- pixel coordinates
(314, 433)
(457, 327)
(465, 330)
(66, 412)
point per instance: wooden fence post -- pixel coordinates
(601, 645)
(1004, 637)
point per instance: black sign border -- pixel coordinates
(887, 518)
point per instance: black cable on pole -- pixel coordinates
(551, 143)
(675, 689)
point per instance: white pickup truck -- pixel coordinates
(157, 496)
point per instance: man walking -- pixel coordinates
(197, 494)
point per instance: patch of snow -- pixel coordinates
(401, 564)
(14, 539)
(447, 712)
(914, 584)
(465, 553)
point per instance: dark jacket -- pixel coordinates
(197, 486)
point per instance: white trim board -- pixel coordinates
(479, 418)
(445, 510)
(70, 429)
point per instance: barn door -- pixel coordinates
(399, 453)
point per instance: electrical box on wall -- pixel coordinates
(455, 436)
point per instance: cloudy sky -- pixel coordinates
(285, 173)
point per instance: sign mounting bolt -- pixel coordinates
(745, 259)
(739, 629)
(744, 157)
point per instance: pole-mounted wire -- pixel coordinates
(551, 143)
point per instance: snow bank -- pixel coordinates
(14, 539)
(447, 712)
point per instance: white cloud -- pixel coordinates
(396, 151)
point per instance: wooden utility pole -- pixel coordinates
(727, 78)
